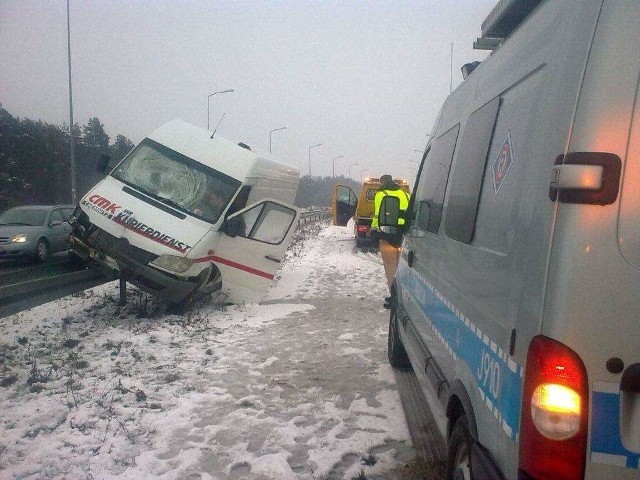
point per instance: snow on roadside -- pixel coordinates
(296, 387)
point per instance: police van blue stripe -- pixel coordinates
(466, 341)
(606, 443)
(471, 345)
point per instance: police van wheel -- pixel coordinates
(459, 457)
(395, 350)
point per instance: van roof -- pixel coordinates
(219, 153)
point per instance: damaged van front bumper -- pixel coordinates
(119, 259)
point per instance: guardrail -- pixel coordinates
(36, 291)
(313, 216)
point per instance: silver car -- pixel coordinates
(34, 231)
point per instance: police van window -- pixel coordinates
(511, 157)
(429, 194)
(468, 172)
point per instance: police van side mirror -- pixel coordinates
(102, 165)
(389, 212)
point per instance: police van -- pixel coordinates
(517, 298)
(188, 211)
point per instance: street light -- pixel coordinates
(271, 131)
(334, 165)
(74, 195)
(228, 90)
(312, 146)
(352, 165)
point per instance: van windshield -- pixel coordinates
(177, 180)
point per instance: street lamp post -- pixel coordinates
(271, 131)
(312, 146)
(352, 165)
(228, 90)
(74, 195)
(334, 165)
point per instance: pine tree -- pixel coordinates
(94, 135)
(120, 147)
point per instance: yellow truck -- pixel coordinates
(346, 204)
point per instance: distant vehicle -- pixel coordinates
(34, 231)
(187, 211)
(516, 298)
(343, 208)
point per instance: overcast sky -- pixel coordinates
(364, 78)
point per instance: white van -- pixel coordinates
(186, 210)
(517, 295)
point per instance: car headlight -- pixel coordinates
(173, 263)
(21, 238)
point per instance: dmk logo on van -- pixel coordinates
(502, 163)
(103, 206)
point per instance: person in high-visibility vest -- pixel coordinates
(389, 238)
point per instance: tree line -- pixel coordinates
(35, 165)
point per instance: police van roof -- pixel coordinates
(503, 20)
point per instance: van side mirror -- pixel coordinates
(232, 226)
(102, 165)
(389, 211)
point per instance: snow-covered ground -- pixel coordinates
(297, 387)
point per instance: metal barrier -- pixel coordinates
(313, 216)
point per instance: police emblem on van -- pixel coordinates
(502, 163)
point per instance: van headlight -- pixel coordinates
(21, 238)
(173, 263)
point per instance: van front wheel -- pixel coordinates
(183, 305)
(395, 350)
(459, 457)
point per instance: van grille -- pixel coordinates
(121, 248)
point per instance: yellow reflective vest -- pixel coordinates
(377, 200)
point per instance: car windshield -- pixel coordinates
(177, 180)
(23, 216)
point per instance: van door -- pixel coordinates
(252, 247)
(343, 205)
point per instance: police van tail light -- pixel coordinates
(554, 416)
